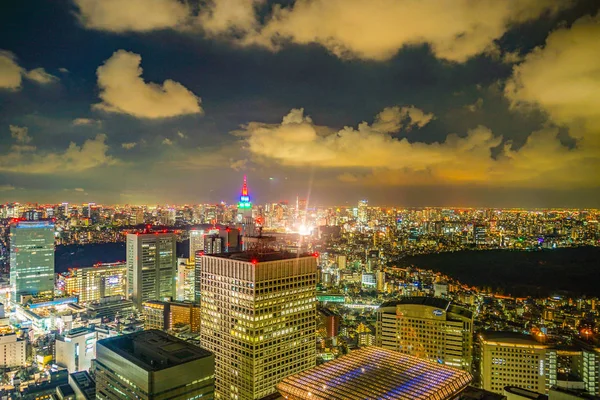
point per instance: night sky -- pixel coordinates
(410, 103)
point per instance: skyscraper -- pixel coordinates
(196, 242)
(151, 266)
(429, 328)
(244, 211)
(258, 315)
(152, 365)
(32, 258)
(363, 217)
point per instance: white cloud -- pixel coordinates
(385, 160)
(181, 135)
(123, 90)
(10, 72)
(129, 145)
(26, 159)
(20, 134)
(229, 16)
(132, 15)
(377, 29)
(392, 119)
(563, 78)
(63, 70)
(39, 75)
(167, 142)
(85, 121)
(79, 190)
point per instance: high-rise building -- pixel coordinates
(512, 359)
(480, 234)
(76, 349)
(244, 211)
(196, 242)
(362, 213)
(151, 266)
(93, 283)
(259, 318)
(32, 259)
(429, 328)
(152, 365)
(185, 279)
(376, 373)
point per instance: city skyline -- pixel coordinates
(499, 113)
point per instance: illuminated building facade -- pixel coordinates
(76, 349)
(32, 259)
(166, 315)
(196, 242)
(512, 359)
(258, 318)
(12, 349)
(375, 373)
(185, 279)
(95, 283)
(244, 211)
(153, 365)
(429, 328)
(151, 266)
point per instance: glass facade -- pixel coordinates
(32, 258)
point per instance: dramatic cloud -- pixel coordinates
(20, 134)
(40, 76)
(377, 29)
(26, 159)
(384, 159)
(374, 29)
(132, 15)
(229, 16)
(167, 142)
(10, 72)
(124, 91)
(563, 78)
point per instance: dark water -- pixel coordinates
(78, 256)
(520, 273)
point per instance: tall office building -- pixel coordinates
(31, 258)
(151, 266)
(185, 279)
(94, 283)
(196, 242)
(152, 365)
(429, 328)
(362, 213)
(512, 359)
(258, 316)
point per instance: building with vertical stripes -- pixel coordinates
(258, 316)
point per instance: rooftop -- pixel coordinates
(154, 350)
(84, 383)
(263, 256)
(527, 394)
(509, 337)
(424, 301)
(374, 372)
